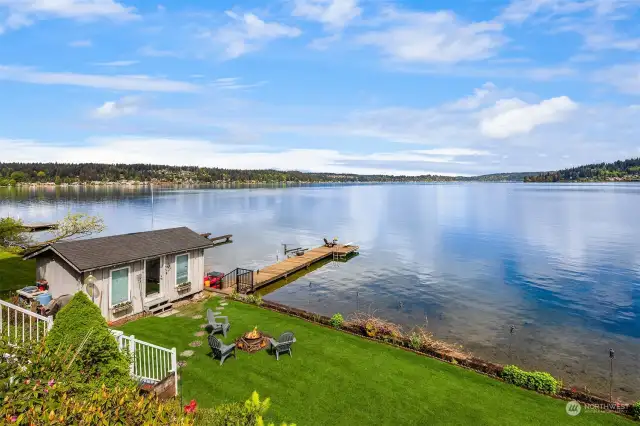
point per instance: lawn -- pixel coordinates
(15, 273)
(338, 379)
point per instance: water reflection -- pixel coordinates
(560, 262)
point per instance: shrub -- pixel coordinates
(415, 341)
(336, 320)
(254, 299)
(236, 414)
(39, 386)
(80, 326)
(235, 295)
(635, 410)
(536, 380)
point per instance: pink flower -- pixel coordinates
(14, 419)
(46, 391)
(52, 382)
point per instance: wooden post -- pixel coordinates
(132, 353)
(174, 366)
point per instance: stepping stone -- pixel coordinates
(220, 308)
(197, 317)
(186, 354)
(200, 333)
(223, 303)
(182, 364)
(217, 312)
(203, 325)
(179, 314)
(168, 314)
(195, 344)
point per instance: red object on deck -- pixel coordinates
(214, 279)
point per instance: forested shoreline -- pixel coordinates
(618, 171)
(14, 174)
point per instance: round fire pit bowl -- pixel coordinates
(252, 341)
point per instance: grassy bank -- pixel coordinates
(336, 378)
(15, 273)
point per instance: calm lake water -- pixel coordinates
(560, 262)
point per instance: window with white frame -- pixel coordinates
(119, 286)
(182, 269)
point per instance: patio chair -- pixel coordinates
(218, 326)
(220, 350)
(328, 244)
(283, 344)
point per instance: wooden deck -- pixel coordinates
(283, 269)
(38, 227)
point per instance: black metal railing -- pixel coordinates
(241, 279)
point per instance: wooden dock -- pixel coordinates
(283, 269)
(39, 227)
(246, 281)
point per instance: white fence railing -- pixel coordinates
(149, 362)
(19, 325)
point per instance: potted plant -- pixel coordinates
(122, 306)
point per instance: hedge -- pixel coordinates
(535, 380)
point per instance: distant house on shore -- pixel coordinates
(131, 273)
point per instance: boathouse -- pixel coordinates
(127, 274)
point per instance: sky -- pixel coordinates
(359, 86)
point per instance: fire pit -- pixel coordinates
(252, 341)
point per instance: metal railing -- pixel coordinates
(149, 363)
(20, 324)
(241, 279)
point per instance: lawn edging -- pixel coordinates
(475, 364)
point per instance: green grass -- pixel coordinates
(15, 273)
(337, 379)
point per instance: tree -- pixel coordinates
(76, 225)
(41, 175)
(58, 181)
(12, 233)
(18, 176)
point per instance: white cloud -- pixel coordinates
(127, 105)
(439, 37)
(81, 43)
(141, 83)
(334, 14)
(511, 117)
(116, 63)
(249, 33)
(22, 13)
(625, 78)
(233, 83)
(474, 101)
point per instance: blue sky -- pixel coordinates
(322, 85)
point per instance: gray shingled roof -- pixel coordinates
(100, 252)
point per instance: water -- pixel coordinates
(559, 262)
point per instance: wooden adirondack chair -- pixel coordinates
(283, 344)
(218, 326)
(220, 350)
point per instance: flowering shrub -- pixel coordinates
(40, 386)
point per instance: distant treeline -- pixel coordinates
(627, 170)
(59, 173)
